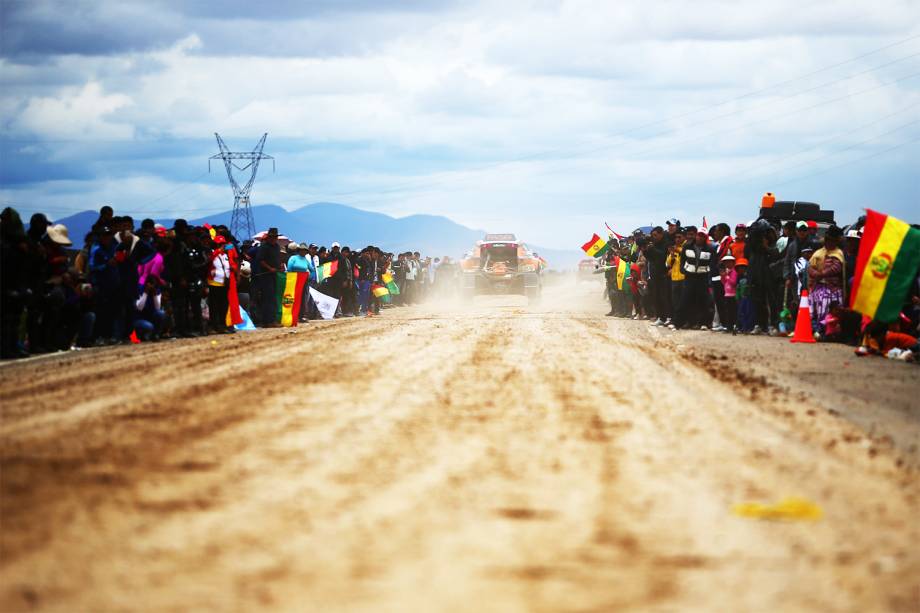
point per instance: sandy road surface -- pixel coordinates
(499, 458)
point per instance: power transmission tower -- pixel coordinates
(242, 224)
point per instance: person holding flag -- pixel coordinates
(595, 248)
(219, 273)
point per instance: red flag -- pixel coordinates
(705, 225)
(614, 232)
(233, 311)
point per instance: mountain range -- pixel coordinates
(325, 222)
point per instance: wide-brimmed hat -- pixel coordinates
(273, 232)
(58, 234)
(728, 258)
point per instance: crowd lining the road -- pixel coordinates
(684, 277)
(151, 283)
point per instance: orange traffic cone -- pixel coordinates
(803, 333)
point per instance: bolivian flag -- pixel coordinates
(324, 271)
(622, 272)
(388, 280)
(889, 254)
(595, 247)
(288, 295)
(380, 291)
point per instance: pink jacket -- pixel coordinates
(729, 282)
(153, 267)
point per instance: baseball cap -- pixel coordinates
(741, 226)
(801, 226)
(812, 224)
(854, 233)
(673, 222)
(334, 245)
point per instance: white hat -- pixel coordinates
(854, 233)
(58, 234)
(728, 258)
(334, 245)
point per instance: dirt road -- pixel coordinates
(498, 458)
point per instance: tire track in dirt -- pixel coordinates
(517, 458)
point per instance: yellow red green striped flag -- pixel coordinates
(380, 291)
(288, 295)
(388, 280)
(889, 254)
(595, 247)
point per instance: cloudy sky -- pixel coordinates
(546, 118)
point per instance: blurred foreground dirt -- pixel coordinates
(496, 458)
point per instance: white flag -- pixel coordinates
(326, 305)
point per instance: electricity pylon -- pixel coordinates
(242, 224)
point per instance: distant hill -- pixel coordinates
(325, 222)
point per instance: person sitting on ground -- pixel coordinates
(878, 339)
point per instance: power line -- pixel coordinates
(549, 152)
(733, 179)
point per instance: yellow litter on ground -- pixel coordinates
(788, 509)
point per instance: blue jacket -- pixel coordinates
(103, 276)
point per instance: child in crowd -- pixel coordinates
(745, 319)
(729, 284)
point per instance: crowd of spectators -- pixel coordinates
(751, 281)
(147, 283)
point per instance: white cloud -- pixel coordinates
(75, 112)
(384, 102)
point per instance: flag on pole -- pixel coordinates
(614, 232)
(595, 247)
(705, 225)
(326, 305)
(390, 282)
(289, 295)
(889, 254)
(324, 271)
(380, 291)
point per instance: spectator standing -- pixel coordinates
(218, 286)
(676, 273)
(268, 260)
(656, 254)
(14, 251)
(827, 278)
(729, 278)
(104, 274)
(698, 263)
